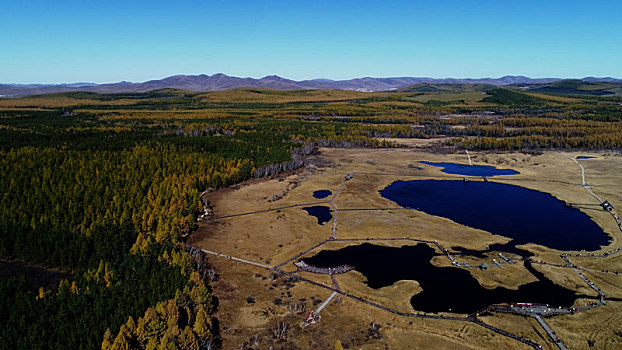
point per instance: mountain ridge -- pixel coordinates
(220, 81)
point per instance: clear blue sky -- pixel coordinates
(107, 41)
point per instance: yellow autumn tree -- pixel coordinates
(202, 324)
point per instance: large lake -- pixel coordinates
(525, 215)
(444, 288)
(470, 170)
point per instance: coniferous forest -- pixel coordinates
(107, 187)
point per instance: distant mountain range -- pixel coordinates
(224, 82)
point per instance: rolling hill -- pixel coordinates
(221, 81)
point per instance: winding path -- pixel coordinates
(550, 332)
(334, 208)
(268, 210)
(236, 259)
(585, 185)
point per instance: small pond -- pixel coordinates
(585, 157)
(321, 194)
(444, 288)
(414, 167)
(322, 213)
(470, 170)
(525, 215)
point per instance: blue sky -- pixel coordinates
(108, 41)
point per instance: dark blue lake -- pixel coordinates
(585, 157)
(321, 194)
(322, 213)
(471, 170)
(525, 215)
(414, 167)
(444, 288)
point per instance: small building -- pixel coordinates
(310, 319)
(483, 266)
(607, 206)
(508, 260)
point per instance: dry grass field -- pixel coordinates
(263, 221)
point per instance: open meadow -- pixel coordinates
(248, 223)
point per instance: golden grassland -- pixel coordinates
(554, 98)
(347, 321)
(275, 235)
(280, 96)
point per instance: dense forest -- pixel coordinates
(107, 187)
